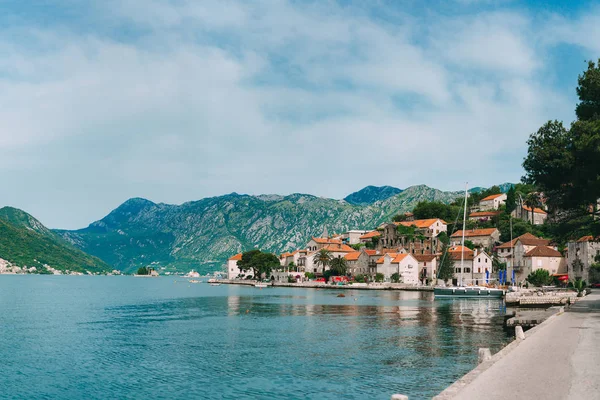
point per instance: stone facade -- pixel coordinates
(586, 249)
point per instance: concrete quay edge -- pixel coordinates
(453, 390)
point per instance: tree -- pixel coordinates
(379, 277)
(469, 244)
(443, 238)
(322, 258)
(446, 268)
(532, 200)
(260, 263)
(400, 218)
(539, 277)
(357, 246)
(338, 266)
(395, 277)
(580, 286)
(588, 90)
(142, 271)
(511, 200)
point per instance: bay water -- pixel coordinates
(117, 337)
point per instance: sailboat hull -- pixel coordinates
(468, 292)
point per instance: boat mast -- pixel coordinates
(462, 244)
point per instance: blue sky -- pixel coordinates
(179, 100)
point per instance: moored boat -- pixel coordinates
(261, 285)
(468, 291)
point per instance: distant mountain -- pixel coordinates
(25, 241)
(202, 234)
(371, 194)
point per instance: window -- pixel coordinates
(539, 263)
(467, 269)
(486, 260)
(425, 264)
(479, 259)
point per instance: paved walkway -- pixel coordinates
(559, 361)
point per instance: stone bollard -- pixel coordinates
(561, 310)
(484, 355)
(519, 334)
(399, 397)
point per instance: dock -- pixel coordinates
(529, 318)
(557, 359)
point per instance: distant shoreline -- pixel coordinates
(315, 285)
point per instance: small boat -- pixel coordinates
(215, 284)
(212, 280)
(194, 281)
(468, 291)
(261, 285)
(461, 290)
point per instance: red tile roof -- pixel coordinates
(588, 238)
(326, 241)
(370, 235)
(482, 214)
(492, 197)
(526, 239)
(237, 257)
(535, 210)
(352, 256)
(340, 248)
(475, 232)
(370, 252)
(459, 249)
(424, 257)
(421, 223)
(543, 251)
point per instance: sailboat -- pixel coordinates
(461, 290)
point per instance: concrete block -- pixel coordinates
(399, 397)
(519, 334)
(484, 355)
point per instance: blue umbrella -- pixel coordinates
(513, 276)
(487, 276)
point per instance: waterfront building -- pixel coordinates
(427, 267)
(403, 264)
(358, 262)
(368, 236)
(483, 216)
(233, 272)
(486, 238)
(581, 255)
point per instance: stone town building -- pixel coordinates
(475, 264)
(403, 264)
(368, 236)
(538, 217)
(427, 267)
(423, 241)
(492, 202)
(587, 251)
(358, 262)
(487, 237)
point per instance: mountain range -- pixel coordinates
(202, 234)
(25, 241)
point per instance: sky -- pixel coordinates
(177, 100)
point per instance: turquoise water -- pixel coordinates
(122, 337)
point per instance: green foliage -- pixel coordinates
(373, 243)
(475, 198)
(291, 279)
(539, 277)
(399, 218)
(594, 273)
(338, 266)
(260, 263)
(328, 274)
(497, 265)
(519, 227)
(436, 209)
(511, 200)
(360, 278)
(446, 267)
(395, 277)
(24, 241)
(310, 275)
(407, 231)
(142, 271)
(588, 90)
(357, 246)
(379, 277)
(322, 258)
(470, 244)
(443, 238)
(580, 286)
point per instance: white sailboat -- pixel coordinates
(461, 290)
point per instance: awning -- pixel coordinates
(562, 277)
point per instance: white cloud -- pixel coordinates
(213, 97)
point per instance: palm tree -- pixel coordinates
(338, 266)
(322, 258)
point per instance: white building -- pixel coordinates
(233, 272)
(403, 264)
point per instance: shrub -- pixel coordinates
(539, 277)
(142, 271)
(395, 277)
(309, 275)
(379, 277)
(359, 278)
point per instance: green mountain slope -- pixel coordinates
(371, 194)
(203, 234)
(25, 241)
